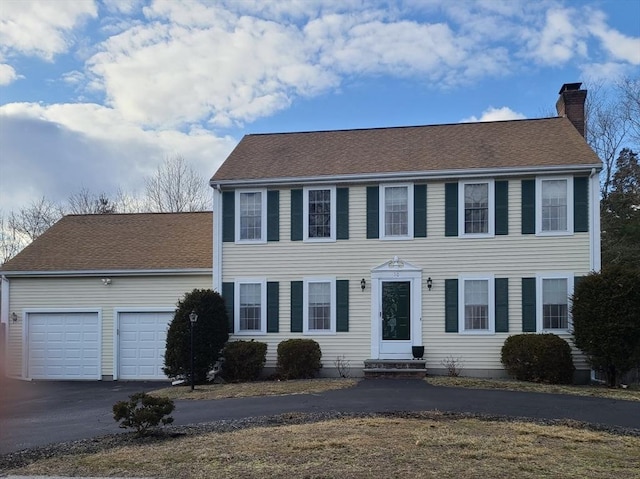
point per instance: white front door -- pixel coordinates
(396, 309)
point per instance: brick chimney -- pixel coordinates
(571, 104)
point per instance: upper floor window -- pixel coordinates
(553, 302)
(319, 305)
(251, 217)
(396, 211)
(477, 314)
(554, 211)
(476, 217)
(319, 214)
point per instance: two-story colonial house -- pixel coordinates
(371, 241)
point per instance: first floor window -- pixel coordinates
(251, 307)
(476, 304)
(320, 305)
(555, 304)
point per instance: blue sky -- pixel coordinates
(96, 94)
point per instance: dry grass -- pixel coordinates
(511, 385)
(427, 447)
(258, 388)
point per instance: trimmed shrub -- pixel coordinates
(243, 360)
(210, 333)
(142, 412)
(298, 359)
(540, 358)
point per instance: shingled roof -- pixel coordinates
(120, 242)
(542, 142)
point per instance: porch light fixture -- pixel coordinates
(193, 317)
(363, 284)
(429, 283)
(14, 317)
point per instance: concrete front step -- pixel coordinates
(394, 368)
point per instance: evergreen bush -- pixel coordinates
(298, 359)
(542, 358)
(243, 360)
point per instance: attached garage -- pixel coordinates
(141, 344)
(63, 345)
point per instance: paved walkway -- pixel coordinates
(57, 412)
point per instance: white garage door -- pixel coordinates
(142, 340)
(63, 346)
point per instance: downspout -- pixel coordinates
(217, 237)
(595, 251)
(4, 324)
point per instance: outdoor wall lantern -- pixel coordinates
(14, 317)
(193, 317)
(363, 284)
(429, 283)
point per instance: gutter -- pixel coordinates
(105, 272)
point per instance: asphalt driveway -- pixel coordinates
(40, 413)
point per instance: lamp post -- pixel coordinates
(193, 317)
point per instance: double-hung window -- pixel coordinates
(319, 214)
(553, 301)
(476, 216)
(251, 216)
(319, 305)
(476, 298)
(396, 211)
(250, 307)
(554, 211)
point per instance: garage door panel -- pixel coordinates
(141, 344)
(63, 346)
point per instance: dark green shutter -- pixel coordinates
(273, 307)
(227, 295)
(451, 305)
(342, 215)
(528, 207)
(528, 305)
(451, 209)
(581, 204)
(342, 305)
(502, 305)
(228, 216)
(297, 221)
(576, 281)
(420, 211)
(273, 215)
(373, 212)
(502, 207)
(296, 306)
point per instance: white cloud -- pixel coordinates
(619, 46)
(495, 114)
(559, 40)
(604, 72)
(7, 74)
(43, 28)
(91, 146)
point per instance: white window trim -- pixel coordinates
(381, 208)
(263, 229)
(569, 230)
(492, 209)
(305, 213)
(263, 307)
(305, 306)
(539, 309)
(492, 303)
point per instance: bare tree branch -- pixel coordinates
(86, 203)
(10, 242)
(35, 219)
(176, 187)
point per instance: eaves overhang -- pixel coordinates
(406, 176)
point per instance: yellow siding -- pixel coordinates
(124, 292)
(513, 256)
